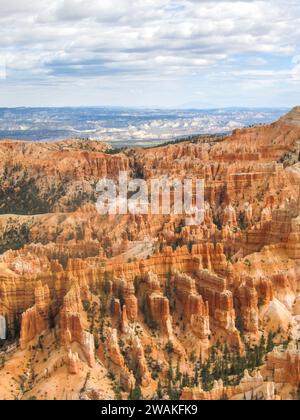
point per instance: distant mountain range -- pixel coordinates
(127, 126)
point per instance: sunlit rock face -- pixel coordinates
(103, 306)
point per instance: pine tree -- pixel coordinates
(170, 391)
(185, 380)
(138, 375)
(170, 372)
(258, 356)
(226, 353)
(159, 391)
(168, 286)
(118, 395)
(193, 358)
(213, 354)
(136, 283)
(262, 350)
(178, 373)
(240, 324)
(136, 394)
(169, 347)
(196, 377)
(103, 307)
(206, 377)
(106, 283)
(270, 343)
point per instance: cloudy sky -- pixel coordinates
(150, 52)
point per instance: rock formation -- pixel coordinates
(36, 319)
(250, 388)
(123, 303)
(73, 323)
(73, 363)
(284, 364)
(248, 298)
(195, 309)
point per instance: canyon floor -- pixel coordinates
(142, 306)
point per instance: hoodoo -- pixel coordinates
(142, 305)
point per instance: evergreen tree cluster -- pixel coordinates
(230, 366)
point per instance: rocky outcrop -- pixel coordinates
(64, 174)
(195, 310)
(157, 305)
(36, 319)
(73, 363)
(265, 291)
(250, 388)
(73, 323)
(113, 349)
(126, 290)
(117, 362)
(248, 300)
(140, 362)
(284, 364)
(214, 290)
(159, 308)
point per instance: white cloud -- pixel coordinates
(2, 67)
(76, 39)
(296, 68)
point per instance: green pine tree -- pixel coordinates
(178, 373)
(196, 376)
(168, 286)
(106, 283)
(159, 391)
(170, 372)
(136, 394)
(270, 343)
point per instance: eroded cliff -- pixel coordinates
(131, 304)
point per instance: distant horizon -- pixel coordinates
(152, 107)
(125, 126)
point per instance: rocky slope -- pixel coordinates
(104, 307)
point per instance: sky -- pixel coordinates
(150, 53)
